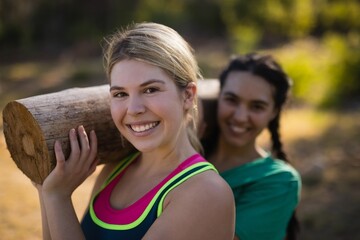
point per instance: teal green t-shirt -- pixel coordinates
(266, 193)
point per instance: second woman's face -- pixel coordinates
(245, 108)
(146, 106)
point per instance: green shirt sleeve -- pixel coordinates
(266, 193)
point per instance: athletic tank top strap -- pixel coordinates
(120, 168)
(133, 221)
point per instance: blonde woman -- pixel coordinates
(166, 190)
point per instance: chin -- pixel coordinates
(239, 143)
(144, 148)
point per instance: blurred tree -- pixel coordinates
(252, 24)
(42, 27)
(55, 25)
(169, 11)
(15, 27)
(341, 16)
(249, 24)
(344, 72)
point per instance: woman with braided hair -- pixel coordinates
(253, 91)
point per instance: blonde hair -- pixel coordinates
(160, 46)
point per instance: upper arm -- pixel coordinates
(200, 208)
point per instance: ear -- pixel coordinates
(189, 95)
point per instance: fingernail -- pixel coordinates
(57, 145)
(72, 133)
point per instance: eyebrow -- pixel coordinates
(261, 102)
(151, 81)
(230, 94)
(257, 101)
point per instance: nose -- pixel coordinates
(135, 106)
(241, 113)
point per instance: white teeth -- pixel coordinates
(142, 128)
(238, 129)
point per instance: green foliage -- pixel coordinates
(251, 23)
(344, 71)
(338, 15)
(169, 11)
(306, 63)
(325, 72)
(244, 38)
(316, 40)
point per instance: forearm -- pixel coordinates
(63, 223)
(44, 222)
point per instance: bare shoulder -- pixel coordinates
(202, 207)
(210, 187)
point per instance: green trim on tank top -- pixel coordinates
(119, 168)
(137, 222)
(160, 207)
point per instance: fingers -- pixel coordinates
(88, 146)
(93, 145)
(60, 158)
(93, 153)
(70, 173)
(84, 141)
(83, 148)
(79, 142)
(74, 144)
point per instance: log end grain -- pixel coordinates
(25, 141)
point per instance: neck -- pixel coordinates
(227, 156)
(166, 158)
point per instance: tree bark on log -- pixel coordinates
(31, 126)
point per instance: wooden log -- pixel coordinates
(31, 126)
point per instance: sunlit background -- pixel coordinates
(47, 46)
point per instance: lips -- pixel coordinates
(139, 128)
(238, 130)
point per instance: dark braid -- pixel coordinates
(293, 227)
(267, 68)
(275, 137)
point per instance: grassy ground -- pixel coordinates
(323, 146)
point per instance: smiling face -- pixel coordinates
(146, 106)
(245, 108)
